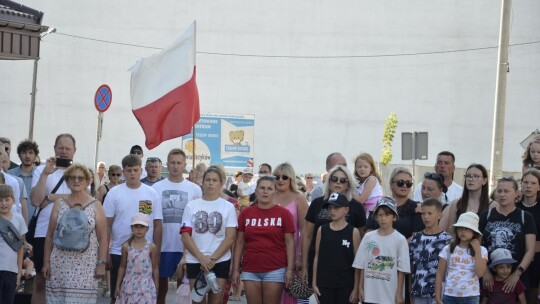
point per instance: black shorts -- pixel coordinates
(534, 271)
(221, 270)
(39, 251)
(115, 259)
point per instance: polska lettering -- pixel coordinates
(273, 221)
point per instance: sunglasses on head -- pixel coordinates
(342, 180)
(434, 176)
(283, 177)
(400, 183)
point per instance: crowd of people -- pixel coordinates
(278, 238)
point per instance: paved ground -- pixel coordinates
(171, 296)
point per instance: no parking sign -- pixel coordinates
(103, 98)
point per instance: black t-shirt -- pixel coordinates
(336, 256)
(408, 222)
(507, 232)
(535, 211)
(319, 216)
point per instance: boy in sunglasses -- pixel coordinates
(425, 247)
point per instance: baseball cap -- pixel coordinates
(140, 219)
(200, 289)
(337, 200)
(248, 170)
(501, 256)
(135, 148)
(388, 202)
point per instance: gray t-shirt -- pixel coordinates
(8, 258)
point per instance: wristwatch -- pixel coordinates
(101, 262)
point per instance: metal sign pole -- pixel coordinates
(98, 137)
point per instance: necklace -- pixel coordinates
(529, 206)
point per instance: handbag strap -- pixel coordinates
(53, 191)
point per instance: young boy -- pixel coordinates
(501, 264)
(424, 248)
(10, 260)
(383, 258)
(334, 279)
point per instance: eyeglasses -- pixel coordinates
(342, 180)
(472, 177)
(115, 174)
(153, 159)
(400, 183)
(282, 177)
(73, 178)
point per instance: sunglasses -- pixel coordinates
(36, 163)
(73, 178)
(434, 176)
(342, 180)
(400, 183)
(115, 174)
(282, 177)
(309, 177)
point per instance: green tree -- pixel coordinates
(390, 127)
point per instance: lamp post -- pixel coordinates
(34, 90)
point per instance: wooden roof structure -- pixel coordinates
(20, 30)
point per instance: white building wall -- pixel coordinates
(305, 107)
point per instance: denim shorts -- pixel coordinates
(271, 276)
(461, 300)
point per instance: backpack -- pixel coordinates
(71, 232)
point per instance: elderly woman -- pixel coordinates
(339, 180)
(208, 232)
(409, 220)
(71, 275)
(509, 227)
(265, 233)
(292, 199)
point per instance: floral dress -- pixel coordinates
(138, 284)
(72, 273)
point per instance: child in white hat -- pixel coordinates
(462, 263)
(502, 265)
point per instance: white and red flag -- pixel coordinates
(164, 95)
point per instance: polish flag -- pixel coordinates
(164, 95)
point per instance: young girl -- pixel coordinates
(138, 275)
(334, 279)
(182, 293)
(370, 189)
(383, 258)
(467, 263)
(501, 265)
(531, 157)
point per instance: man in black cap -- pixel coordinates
(138, 151)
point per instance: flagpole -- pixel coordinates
(195, 64)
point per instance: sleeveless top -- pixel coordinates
(336, 256)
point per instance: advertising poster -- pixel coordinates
(225, 139)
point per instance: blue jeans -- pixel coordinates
(461, 300)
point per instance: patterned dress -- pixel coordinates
(72, 273)
(138, 285)
(293, 209)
